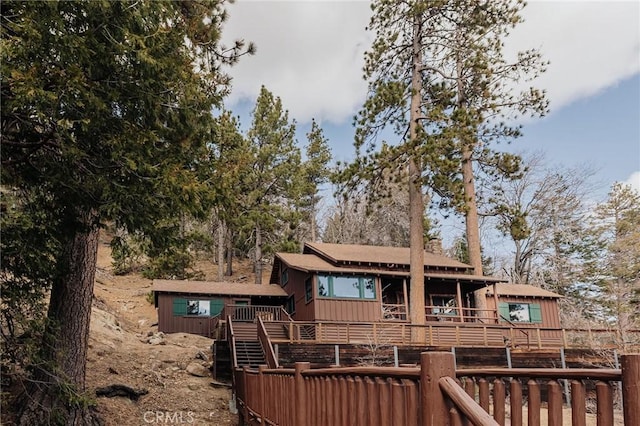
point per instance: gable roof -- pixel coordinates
(505, 289)
(353, 253)
(313, 263)
(217, 288)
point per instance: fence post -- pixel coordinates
(245, 387)
(631, 388)
(261, 403)
(300, 393)
(433, 366)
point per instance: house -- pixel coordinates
(196, 306)
(346, 292)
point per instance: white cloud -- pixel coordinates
(310, 53)
(634, 181)
(591, 45)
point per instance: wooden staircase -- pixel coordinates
(248, 349)
(249, 353)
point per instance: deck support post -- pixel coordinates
(433, 366)
(631, 388)
(300, 393)
(395, 356)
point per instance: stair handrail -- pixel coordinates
(232, 342)
(513, 325)
(286, 314)
(267, 347)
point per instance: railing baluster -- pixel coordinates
(455, 419)
(578, 404)
(470, 387)
(515, 401)
(533, 408)
(555, 403)
(483, 393)
(605, 404)
(499, 398)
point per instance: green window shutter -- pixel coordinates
(503, 311)
(215, 306)
(535, 313)
(179, 307)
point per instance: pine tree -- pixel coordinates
(230, 160)
(106, 108)
(612, 260)
(438, 79)
(272, 186)
(316, 173)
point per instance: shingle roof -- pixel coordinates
(313, 263)
(377, 254)
(222, 288)
(505, 289)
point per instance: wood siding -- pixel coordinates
(548, 309)
(168, 323)
(295, 286)
(348, 310)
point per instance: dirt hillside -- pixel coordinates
(120, 353)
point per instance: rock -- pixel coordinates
(149, 333)
(197, 370)
(157, 340)
(121, 390)
(201, 355)
(112, 370)
(193, 386)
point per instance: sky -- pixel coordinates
(310, 54)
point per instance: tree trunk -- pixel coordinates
(468, 183)
(229, 252)
(258, 258)
(221, 233)
(56, 396)
(471, 212)
(313, 221)
(416, 203)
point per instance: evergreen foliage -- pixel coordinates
(273, 185)
(106, 109)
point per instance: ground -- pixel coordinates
(119, 353)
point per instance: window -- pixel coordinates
(291, 305)
(348, 287)
(197, 307)
(520, 312)
(444, 305)
(284, 278)
(308, 290)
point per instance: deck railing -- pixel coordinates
(267, 346)
(249, 313)
(450, 334)
(427, 396)
(453, 314)
(435, 334)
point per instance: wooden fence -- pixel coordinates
(430, 395)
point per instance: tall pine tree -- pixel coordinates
(272, 186)
(106, 107)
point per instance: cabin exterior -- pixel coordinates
(356, 283)
(196, 307)
(355, 294)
